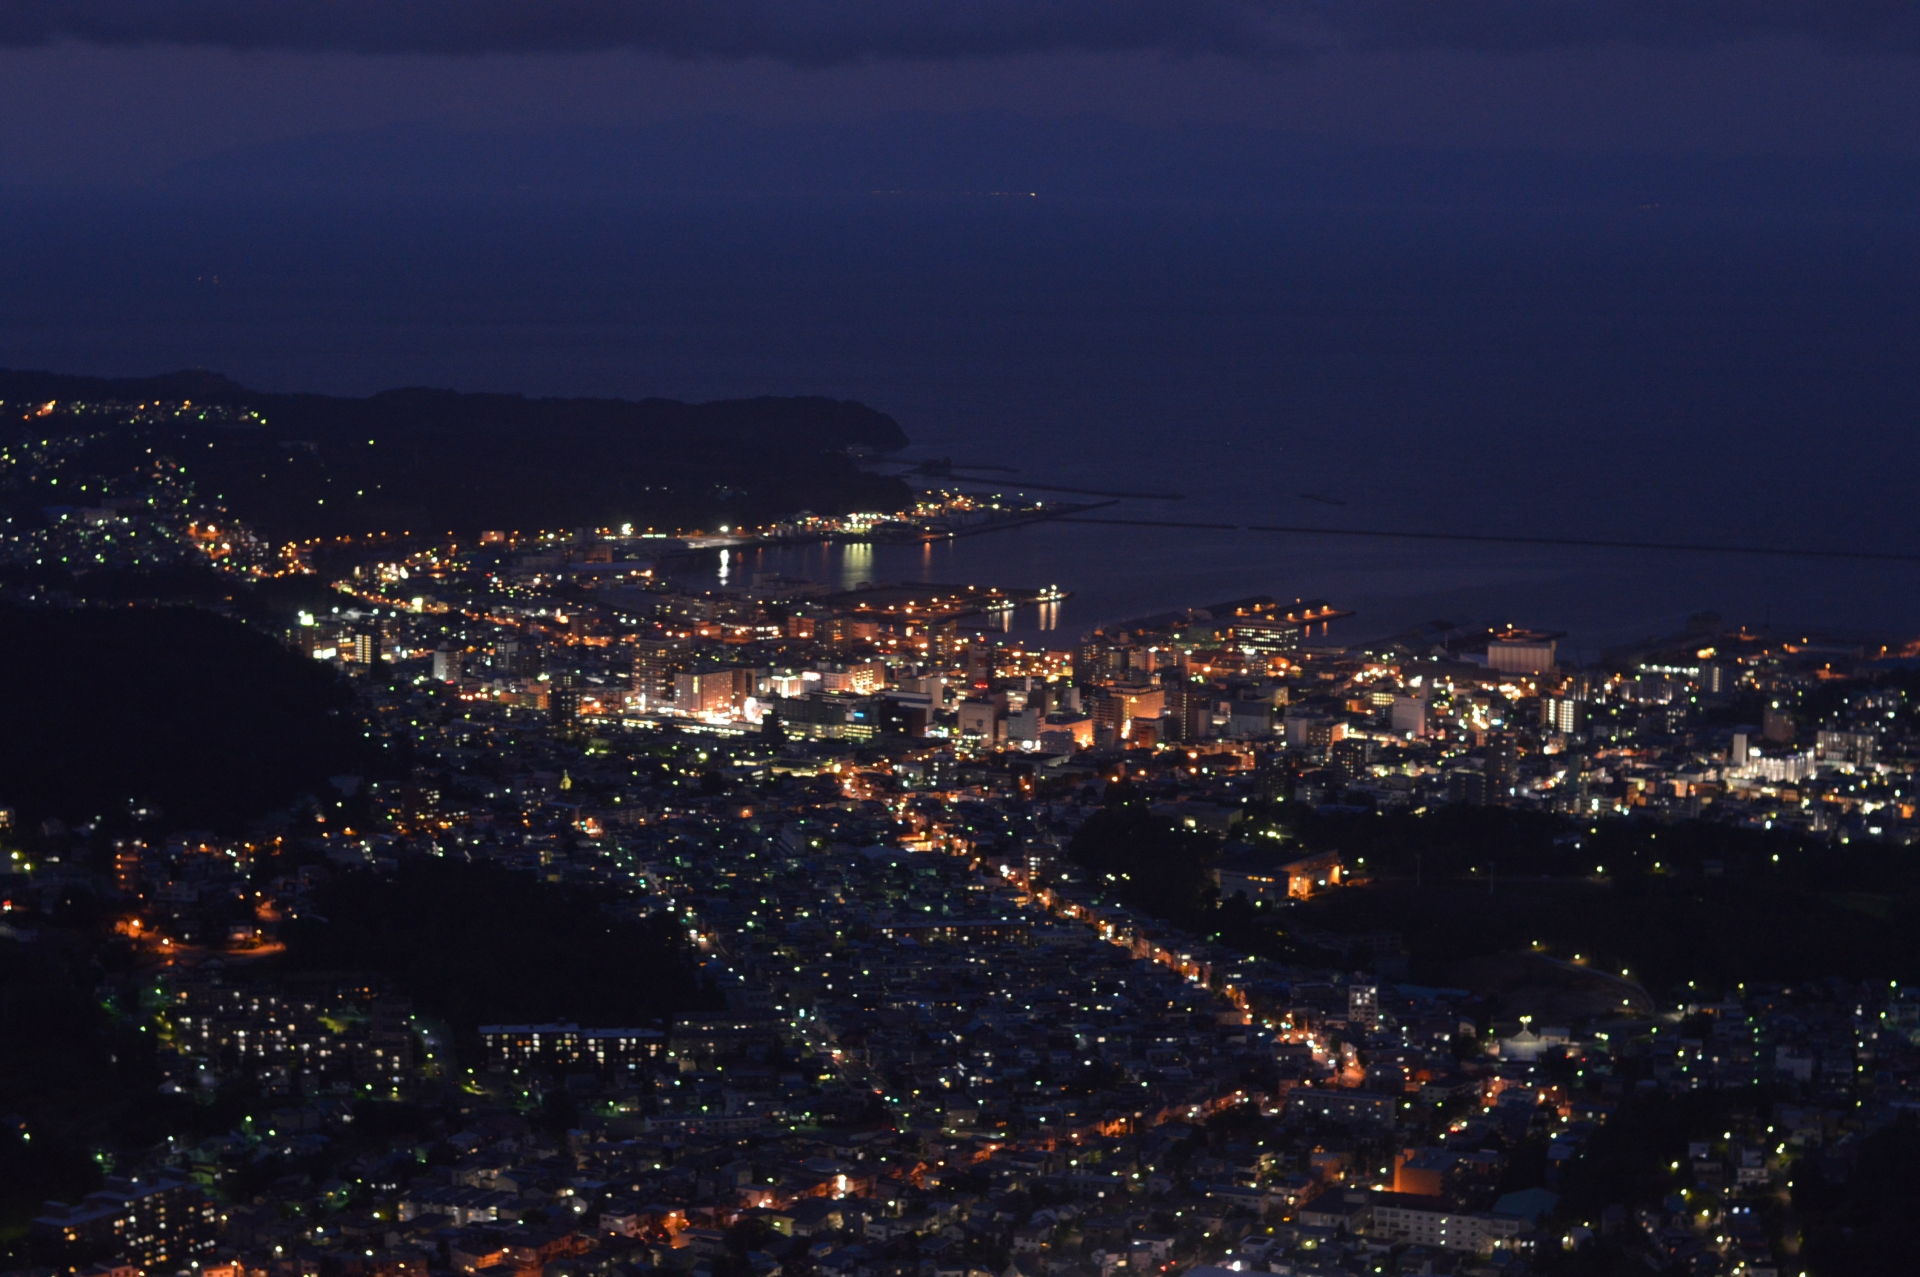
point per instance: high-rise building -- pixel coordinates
(520, 660)
(1563, 714)
(1847, 747)
(1098, 663)
(1502, 770)
(146, 1221)
(943, 640)
(1363, 1006)
(1348, 759)
(563, 702)
(1189, 711)
(126, 865)
(446, 665)
(721, 691)
(653, 670)
(1466, 787)
(979, 664)
(1116, 708)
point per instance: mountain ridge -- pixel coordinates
(433, 459)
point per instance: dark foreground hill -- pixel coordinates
(177, 709)
(473, 943)
(432, 461)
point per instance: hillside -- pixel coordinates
(420, 460)
(209, 721)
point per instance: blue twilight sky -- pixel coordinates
(102, 92)
(1637, 269)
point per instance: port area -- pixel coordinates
(931, 602)
(936, 516)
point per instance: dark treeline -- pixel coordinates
(176, 709)
(76, 1074)
(475, 943)
(437, 461)
(1671, 904)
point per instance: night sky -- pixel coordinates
(1634, 269)
(107, 91)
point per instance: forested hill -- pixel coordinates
(200, 719)
(438, 460)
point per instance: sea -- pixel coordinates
(1709, 377)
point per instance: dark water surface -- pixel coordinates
(1638, 374)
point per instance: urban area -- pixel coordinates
(1002, 957)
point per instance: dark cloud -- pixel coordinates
(1891, 25)
(804, 31)
(829, 31)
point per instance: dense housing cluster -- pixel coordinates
(1006, 957)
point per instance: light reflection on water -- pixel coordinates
(849, 565)
(856, 563)
(1567, 373)
(1599, 596)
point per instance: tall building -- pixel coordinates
(979, 664)
(1098, 663)
(150, 1222)
(1466, 787)
(716, 691)
(126, 865)
(943, 640)
(1563, 714)
(1363, 1006)
(1848, 747)
(653, 670)
(523, 660)
(563, 703)
(1189, 711)
(1348, 759)
(1502, 770)
(446, 665)
(1116, 709)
